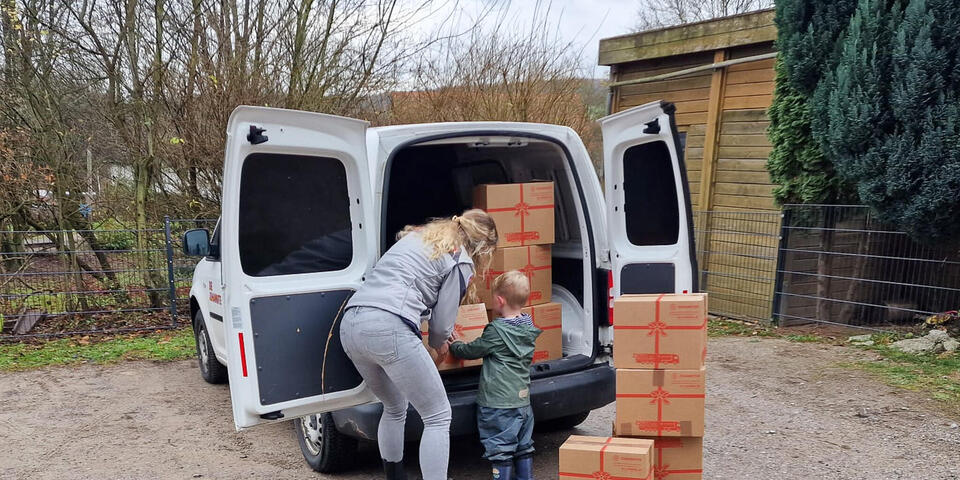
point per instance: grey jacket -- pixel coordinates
(411, 285)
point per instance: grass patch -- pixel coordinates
(724, 327)
(160, 346)
(935, 375)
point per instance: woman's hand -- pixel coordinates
(442, 352)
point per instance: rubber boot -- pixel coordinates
(394, 470)
(523, 468)
(502, 470)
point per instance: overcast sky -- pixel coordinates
(584, 22)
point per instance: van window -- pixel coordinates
(294, 215)
(215, 243)
(650, 195)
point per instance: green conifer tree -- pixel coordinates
(806, 41)
(888, 116)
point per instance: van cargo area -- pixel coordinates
(436, 179)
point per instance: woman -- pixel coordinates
(426, 273)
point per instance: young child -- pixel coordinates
(504, 416)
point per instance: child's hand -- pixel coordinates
(453, 337)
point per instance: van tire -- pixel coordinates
(332, 451)
(210, 368)
(562, 423)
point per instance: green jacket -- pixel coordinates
(506, 347)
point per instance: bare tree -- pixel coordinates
(502, 71)
(141, 90)
(652, 14)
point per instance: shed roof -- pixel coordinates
(732, 31)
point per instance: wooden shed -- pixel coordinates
(719, 74)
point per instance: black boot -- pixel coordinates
(502, 470)
(394, 470)
(523, 467)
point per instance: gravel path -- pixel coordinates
(774, 410)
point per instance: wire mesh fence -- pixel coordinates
(737, 256)
(56, 282)
(807, 264)
(840, 265)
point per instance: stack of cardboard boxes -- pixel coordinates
(524, 214)
(659, 352)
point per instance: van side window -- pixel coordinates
(651, 208)
(294, 215)
(215, 243)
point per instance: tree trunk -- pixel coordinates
(11, 244)
(295, 92)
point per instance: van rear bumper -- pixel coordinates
(551, 397)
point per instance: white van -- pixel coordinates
(311, 201)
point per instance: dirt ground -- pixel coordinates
(774, 410)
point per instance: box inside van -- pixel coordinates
(436, 178)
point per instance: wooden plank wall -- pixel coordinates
(689, 93)
(737, 251)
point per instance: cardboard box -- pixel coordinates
(660, 331)
(549, 318)
(606, 458)
(534, 261)
(523, 211)
(660, 403)
(471, 319)
(678, 458)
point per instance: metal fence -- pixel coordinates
(81, 281)
(737, 256)
(806, 264)
(840, 265)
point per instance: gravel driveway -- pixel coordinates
(774, 410)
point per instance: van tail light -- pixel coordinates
(243, 354)
(610, 297)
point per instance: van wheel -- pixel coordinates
(324, 448)
(210, 368)
(563, 423)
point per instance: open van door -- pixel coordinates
(648, 202)
(297, 236)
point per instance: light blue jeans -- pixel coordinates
(398, 369)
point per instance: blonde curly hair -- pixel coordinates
(474, 231)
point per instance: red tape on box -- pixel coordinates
(529, 270)
(661, 471)
(659, 329)
(521, 209)
(660, 397)
(601, 474)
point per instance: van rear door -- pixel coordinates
(297, 236)
(648, 202)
